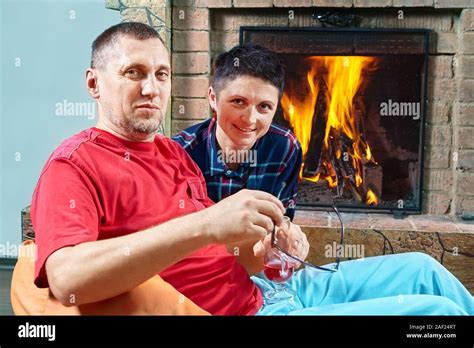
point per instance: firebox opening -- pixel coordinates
(356, 105)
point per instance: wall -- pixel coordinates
(45, 51)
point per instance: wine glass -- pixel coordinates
(279, 268)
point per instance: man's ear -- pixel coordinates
(211, 94)
(92, 83)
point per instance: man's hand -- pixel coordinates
(292, 240)
(248, 214)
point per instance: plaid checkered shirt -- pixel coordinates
(272, 165)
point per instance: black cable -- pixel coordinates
(385, 239)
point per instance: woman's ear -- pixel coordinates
(92, 84)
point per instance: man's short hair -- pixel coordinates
(104, 42)
(248, 59)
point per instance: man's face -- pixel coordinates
(245, 108)
(134, 87)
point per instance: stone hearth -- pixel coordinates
(448, 240)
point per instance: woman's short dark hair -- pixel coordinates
(248, 59)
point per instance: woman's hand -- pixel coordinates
(291, 239)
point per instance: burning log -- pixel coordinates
(312, 160)
(344, 163)
(372, 179)
(335, 159)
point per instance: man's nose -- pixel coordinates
(150, 87)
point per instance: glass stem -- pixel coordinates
(279, 287)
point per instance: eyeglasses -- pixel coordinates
(309, 264)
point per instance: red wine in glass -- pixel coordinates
(278, 269)
(273, 271)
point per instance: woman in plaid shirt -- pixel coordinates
(239, 147)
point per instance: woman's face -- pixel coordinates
(244, 108)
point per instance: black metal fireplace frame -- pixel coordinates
(398, 212)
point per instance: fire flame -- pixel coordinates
(341, 76)
(371, 198)
(300, 113)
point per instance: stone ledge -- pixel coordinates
(449, 241)
(413, 223)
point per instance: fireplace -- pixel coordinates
(355, 99)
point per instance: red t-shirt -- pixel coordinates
(97, 186)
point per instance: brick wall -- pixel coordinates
(197, 30)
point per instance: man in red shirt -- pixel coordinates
(116, 204)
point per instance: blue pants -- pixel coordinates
(400, 284)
